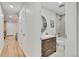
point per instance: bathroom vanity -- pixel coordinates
(48, 45)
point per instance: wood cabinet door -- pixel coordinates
(48, 46)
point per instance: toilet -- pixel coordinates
(60, 41)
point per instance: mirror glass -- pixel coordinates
(44, 24)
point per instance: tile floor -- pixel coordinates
(59, 52)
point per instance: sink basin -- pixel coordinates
(47, 36)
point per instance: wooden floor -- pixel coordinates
(11, 47)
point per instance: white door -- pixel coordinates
(71, 28)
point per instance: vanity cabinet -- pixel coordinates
(48, 46)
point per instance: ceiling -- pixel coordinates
(54, 6)
(12, 8)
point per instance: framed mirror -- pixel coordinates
(51, 23)
(44, 22)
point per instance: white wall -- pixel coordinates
(30, 25)
(78, 28)
(49, 15)
(11, 28)
(70, 25)
(1, 29)
(60, 25)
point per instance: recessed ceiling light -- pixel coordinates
(27, 10)
(11, 6)
(60, 2)
(10, 16)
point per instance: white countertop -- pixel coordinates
(47, 36)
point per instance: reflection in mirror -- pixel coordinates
(44, 22)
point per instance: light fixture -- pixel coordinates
(60, 2)
(27, 11)
(10, 16)
(11, 6)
